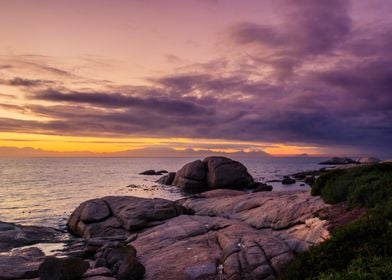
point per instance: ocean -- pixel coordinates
(45, 191)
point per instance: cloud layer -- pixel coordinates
(315, 78)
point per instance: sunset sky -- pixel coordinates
(285, 77)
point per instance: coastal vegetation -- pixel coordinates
(361, 249)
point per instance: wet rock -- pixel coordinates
(288, 181)
(310, 180)
(62, 268)
(148, 172)
(223, 172)
(338, 160)
(304, 174)
(127, 213)
(191, 176)
(161, 172)
(259, 187)
(13, 235)
(21, 264)
(167, 179)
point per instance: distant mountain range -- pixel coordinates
(146, 152)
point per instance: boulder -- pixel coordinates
(69, 268)
(13, 235)
(339, 160)
(231, 234)
(310, 180)
(259, 187)
(192, 176)
(127, 214)
(288, 181)
(369, 160)
(167, 179)
(223, 172)
(21, 264)
(123, 263)
(151, 172)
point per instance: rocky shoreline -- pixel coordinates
(221, 233)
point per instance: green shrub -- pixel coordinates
(363, 248)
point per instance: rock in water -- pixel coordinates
(21, 264)
(62, 268)
(148, 172)
(167, 179)
(339, 160)
(192, 176)
(13, 235)
(288, 181)
(259, 187)
(223, 172)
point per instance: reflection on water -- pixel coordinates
(44, 191)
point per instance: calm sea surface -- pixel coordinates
(44, 191)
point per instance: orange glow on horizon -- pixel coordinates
(56, 143)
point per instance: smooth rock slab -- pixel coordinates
(200, 247)
(21, 264)
(276, 210)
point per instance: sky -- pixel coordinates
(283, 77)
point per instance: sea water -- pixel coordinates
(45, 191)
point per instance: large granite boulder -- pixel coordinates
(211, 173)
(13, 235)
(192, 176)
(21, 264)
(223, 172)
(119, 215)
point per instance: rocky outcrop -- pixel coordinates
(223, 172)
(219, 234)
(275, 210)
(211, 173)
(167, 179)
(192, 176)
(120, 215)
(69, 268)
(13, 235)
(20, 264)
(152, 172)
(338, 161)
(210, 248)
(288, 181)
